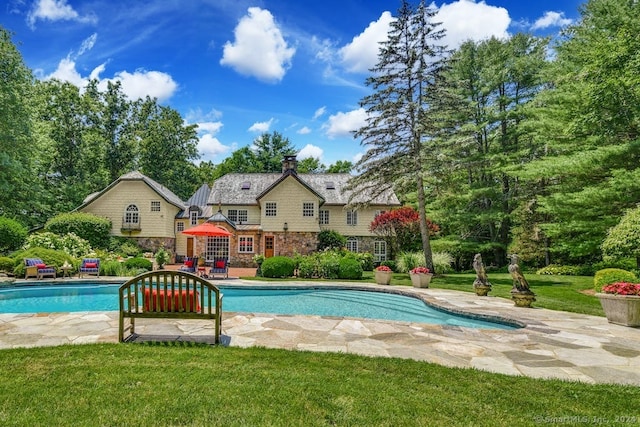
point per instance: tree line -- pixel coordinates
(525, 145)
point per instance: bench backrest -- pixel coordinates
(168, 292)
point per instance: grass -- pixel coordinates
(157, 385)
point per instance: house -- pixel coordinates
(282, 214)
(139, 208)
(267, 213)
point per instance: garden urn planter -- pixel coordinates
(523, 299)
(420, 280)
(482, 290)
(621, 309)
(383, 277)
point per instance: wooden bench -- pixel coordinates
(166, 294)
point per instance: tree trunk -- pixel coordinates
(424, 229)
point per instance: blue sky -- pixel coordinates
(240, 68)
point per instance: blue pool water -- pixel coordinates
(324, 302)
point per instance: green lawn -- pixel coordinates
(155, 385)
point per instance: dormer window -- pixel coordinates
(246, 185)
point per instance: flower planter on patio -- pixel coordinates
(621, 309)
(420, 280)
(383, 277)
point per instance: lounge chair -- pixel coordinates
(35, 267)
(89, 266)
(219, 266)
(190, 265)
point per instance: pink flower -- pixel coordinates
(622, 288)
(420, 270)
(383, 268)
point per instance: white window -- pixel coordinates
(379, 250)
(131, 215)
(194, 217)
(245, 244)
(352, 244)
(238, 215)
(379, 213)
(352, 218)
(155, 206)
(323, 217)
(308, 209)
(270, 209)
(180, 226)
(217, 248)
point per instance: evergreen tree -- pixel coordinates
(589, 122)
(399, 123)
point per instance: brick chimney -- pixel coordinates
(289, 163)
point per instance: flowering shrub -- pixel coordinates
(69, 243)
(622, 288)
(420, 270)
(383, 268)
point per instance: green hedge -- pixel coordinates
(90, 227)
(350, 268)
(612, 275)
(7, 264)
(12, 235)
(278, 266)
(138, 263)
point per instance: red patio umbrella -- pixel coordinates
(207, 229)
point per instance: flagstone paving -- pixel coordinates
(553, 344)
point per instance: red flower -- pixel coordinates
(383, 268)
(420, 270)
(622, 288)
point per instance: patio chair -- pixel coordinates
(190, 265)
(89, 266)
(35, 267)
(219, 266)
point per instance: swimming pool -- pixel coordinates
(305, 301)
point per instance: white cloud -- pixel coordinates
(67, 72)
(466, 19)
(210, 127)
(142, 83)
(56, 10)
(310, 150)
(135, 85)
(259, 49)
(209, 146)
(551, 19)
(88, 43)
(261, 126)
(319, 112)
(304, 131)
(362, 53)
(343, 124)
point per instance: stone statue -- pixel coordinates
(520, 284)
(481, 274)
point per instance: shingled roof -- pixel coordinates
(162, 191)
(245, 188)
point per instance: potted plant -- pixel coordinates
(383, 275)
(621, 303)
(420, 277)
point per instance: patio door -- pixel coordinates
(190, 246)
(268, 246)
